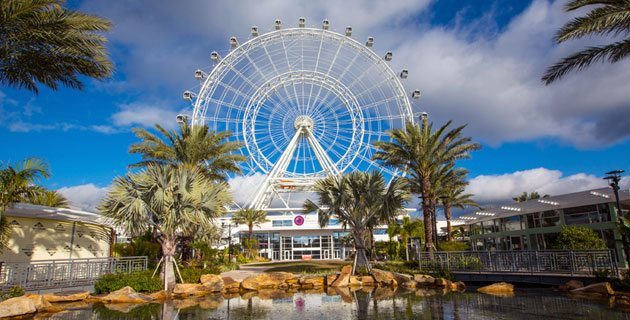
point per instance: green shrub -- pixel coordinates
(454, 246)
(13, 292)
(192, 275)
(139, 281)
(579, 238)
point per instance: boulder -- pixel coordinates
(347, 269)
(41, 304)
(159, 295)
(423, 279)
(384, 278)
(355, 281)
(190, 289)
(126, 295)
(230, 285)
(411, 284)
(269, 280)
(213, 282)
(16, 307)
(601, 288)
(442, 283)
(368, 281)
(312, 280)
(401, 277)
(331, 278)
(342, 280)
(571, 285)
(458, 286)
(66, 296)
(499, 288)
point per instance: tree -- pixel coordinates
(43, 42)
(171, 199)
(578, 238)
(211, 151)
(252, 218)
(49, 198)
(18, 182)
(528, 196)
(357, 199)
(410, 228)
(607, 18)
(421, 152)
(453, 195)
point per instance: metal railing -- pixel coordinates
(578, 262)
(46, 274)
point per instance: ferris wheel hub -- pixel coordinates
(303, 122)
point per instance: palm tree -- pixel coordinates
(252, 218)
(357, 199)
(17, 182)
(43, 42)
(528, 196)
(607, 18)
(171, 199)
(451, 186)
(410, 228)
(197, 145)
(421, 152)
(49, 198)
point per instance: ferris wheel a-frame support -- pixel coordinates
(277, 182)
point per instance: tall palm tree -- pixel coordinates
(196, 145)
(173, 200)
(252, 218)
(49, 198)
(421, 152)
(43, 42)
(357, 199)
(606, 18)
(17, 182)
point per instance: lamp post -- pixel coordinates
(229, 226)
(613, 178)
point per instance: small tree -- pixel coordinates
(579, 238)
(252, 218)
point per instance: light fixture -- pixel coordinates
(424, 115)
(233, 42)
(325, 24)
(388, 56)
(485, 213)
(214, 56)
(468, 218)
(254, 31)
(404, 74)
(199, 75)
(348, 31)
(181, 118)
(278, 24)
(510, 208)
(598, 194)
(301, 22)
(188, 95)
(370, 42)
(553, 203)
(415, 94)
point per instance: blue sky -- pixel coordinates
(476, 62)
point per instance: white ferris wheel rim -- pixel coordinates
(343, 119)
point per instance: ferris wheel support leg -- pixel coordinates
(321, 155)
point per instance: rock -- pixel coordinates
(42, 305)
(213, 282)
(159, 295)
(423, 279)
(442, 283)
(16, 307)
(458, 286)
(347, 269)
(622, 301)
(384, 278)
(411, 284)
(313, 280)
(331, 278)
(368, 281)
(401, 277)
(342, 280)
(571, 285)
(66, 296)
(355, 281)
(269, 280)
(189, 289)
(601, 288)
(126, 295)
(499, 288)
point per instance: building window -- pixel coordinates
(581, 215)
(282, 223)
(306, 242)
(511, 223)
(549, 218)
(380, 231)
(333, 222)
(489, 227)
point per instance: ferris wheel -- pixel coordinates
(304, 102)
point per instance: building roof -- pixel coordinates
(26, 210)
(576, 199)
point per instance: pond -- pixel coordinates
(380, 303)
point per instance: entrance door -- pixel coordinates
(287, 255)
(337, 254)
(276, 255)
(325, 254)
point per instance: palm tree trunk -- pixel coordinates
(249, 244)
(359, 244)
(406, 248)
(168, 251)
(426, 215)
(447, 215)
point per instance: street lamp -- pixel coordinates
(613, 178)
(229, 226)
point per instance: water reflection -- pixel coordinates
(346, 303)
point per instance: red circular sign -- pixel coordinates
(298, 220)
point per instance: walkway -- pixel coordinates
(246, 271)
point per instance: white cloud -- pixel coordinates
(146, 115)
(503, 187)
(244, 187)
(85, 197)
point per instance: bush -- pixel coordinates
(454, 246)
(13, 292)
(139, 281)
(192, 275)
(579, 238)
